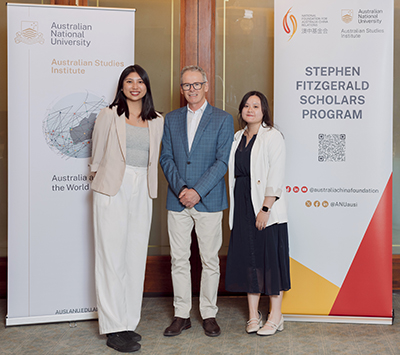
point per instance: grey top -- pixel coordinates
(137, 146)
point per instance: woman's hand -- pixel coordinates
(262, 219)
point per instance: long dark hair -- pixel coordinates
(148, 111)
(267, 118)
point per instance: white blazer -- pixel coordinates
(267, 170)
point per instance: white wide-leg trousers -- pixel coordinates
(121, 231)
(209, 236)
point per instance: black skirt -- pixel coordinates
(258, 261)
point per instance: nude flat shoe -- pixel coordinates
(275, 327)
(254, 324)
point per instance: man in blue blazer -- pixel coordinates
(194, 157)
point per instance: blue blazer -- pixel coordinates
(204, 167)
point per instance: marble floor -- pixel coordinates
(297, 338)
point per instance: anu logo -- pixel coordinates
(347, 15)
(29, 33)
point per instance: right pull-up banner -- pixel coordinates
(334, 105)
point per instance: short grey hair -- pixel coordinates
(194, 68)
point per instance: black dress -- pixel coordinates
(258, 261)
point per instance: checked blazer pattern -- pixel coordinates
(204, 167)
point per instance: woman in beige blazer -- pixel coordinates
(126, 144)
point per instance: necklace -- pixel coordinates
(249, 135)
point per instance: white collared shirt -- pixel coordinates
(193, 119)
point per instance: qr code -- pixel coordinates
(331, 147)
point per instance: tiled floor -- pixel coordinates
(297, 338)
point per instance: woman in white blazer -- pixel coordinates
(126, 144)
(258, 256)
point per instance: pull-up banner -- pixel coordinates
(333, 104)
(63, 67)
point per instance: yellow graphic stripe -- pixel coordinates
(310, 293)
(294, 24)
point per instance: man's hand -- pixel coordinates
(189, 198)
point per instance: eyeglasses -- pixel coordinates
(196, 86)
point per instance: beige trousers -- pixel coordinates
(209, 236)
(121, 231)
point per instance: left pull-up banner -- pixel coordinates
(63, 67)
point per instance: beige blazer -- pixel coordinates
(109, 152)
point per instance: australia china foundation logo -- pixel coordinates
(289, 28)
(29, 33)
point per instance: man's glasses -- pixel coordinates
(196, 86)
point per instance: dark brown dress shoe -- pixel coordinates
(211, 327)
(176, 327)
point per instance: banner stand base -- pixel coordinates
(338, 319)
(50, 319)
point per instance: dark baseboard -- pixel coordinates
(396, 271)
(3, 277)
(158, 275)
